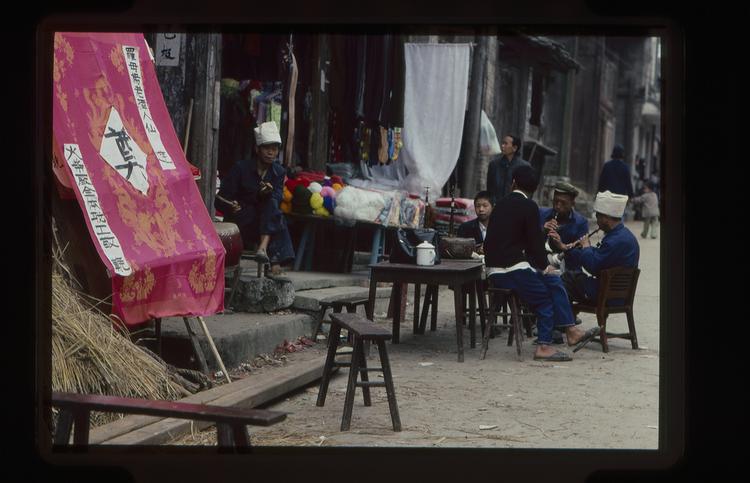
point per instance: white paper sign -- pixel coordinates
(122, 153)
(104, 235)
(168, 49)
(136, 83)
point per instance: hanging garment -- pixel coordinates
(433, 121)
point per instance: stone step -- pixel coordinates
(310, 299)
(238, 336)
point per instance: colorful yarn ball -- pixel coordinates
(337, 187)
(321, 211)
(285, 206)
(287, 195)
(315, 187)
(327, 191)
(327, 181)
(329, 203)
(316, 201)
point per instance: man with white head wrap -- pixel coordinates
(250, 195)
(618, 248)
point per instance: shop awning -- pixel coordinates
(115, 147)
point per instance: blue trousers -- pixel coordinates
(544, 294)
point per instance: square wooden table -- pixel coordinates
(454, 273)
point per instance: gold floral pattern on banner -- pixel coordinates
(202, 276)
(115, 56)
(63, 58)
(138, 286)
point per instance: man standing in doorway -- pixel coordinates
(500, 169)
(615, 175)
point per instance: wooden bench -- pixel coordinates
(361, 330)
(230, 422)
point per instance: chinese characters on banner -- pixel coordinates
(168, 49)
(121, 152)
(104, 235)
(136, 83)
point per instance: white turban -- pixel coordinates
(610, 204)
(267, 133)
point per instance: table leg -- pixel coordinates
(396, 312)
(458, 309)
(417, 294)
(472, 314)
(302, 245)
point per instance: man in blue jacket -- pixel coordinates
(618, 248)
(500, 169)
(250, 195)
(562, 224)
(615, 175)
(515, 259)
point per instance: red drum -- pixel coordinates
(229, 233)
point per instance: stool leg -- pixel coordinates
(517, 329)
(363, 372)
(350, 389)
(425, 309)
(333, 342)
(390, 391)
(318, 323)
(485, 340)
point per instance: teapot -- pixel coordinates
(425, 254)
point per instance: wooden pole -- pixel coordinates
(213, 348)
(187, 129)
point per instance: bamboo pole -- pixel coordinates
(213, 348)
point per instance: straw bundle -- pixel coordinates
(90, 357)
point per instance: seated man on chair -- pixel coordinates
(516, 260)
(250, 195)
(618, 248)
(562, 224)
(477, 228)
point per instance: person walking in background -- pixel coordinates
(615, 175)
(500, 169)
(649, 203)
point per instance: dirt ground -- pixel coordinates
(595, 401)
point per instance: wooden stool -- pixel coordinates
(263, 268)
(350, 303)
(361, 330)
(516, 317)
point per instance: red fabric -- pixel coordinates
(461, 203)
(158, 243)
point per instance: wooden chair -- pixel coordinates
(614, 284)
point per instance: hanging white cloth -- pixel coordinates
(436, 86)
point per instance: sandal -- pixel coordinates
(261, 256)
(558, 356)
(588, 336)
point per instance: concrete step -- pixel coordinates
(310, 299)
(238, 336)
(318, 280)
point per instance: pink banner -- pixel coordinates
(115, 147)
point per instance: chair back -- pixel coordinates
(617, 284)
